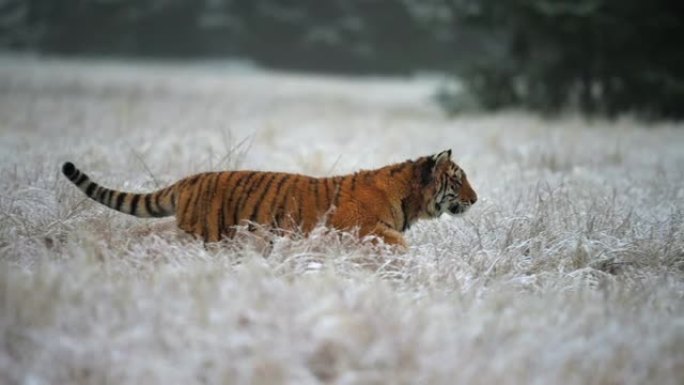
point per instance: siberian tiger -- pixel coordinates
(383, 202)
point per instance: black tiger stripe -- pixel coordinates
(283, 178)
(243, 195)
(326, 195)
(171, 198)
(157, 203)
(346, 181)
(196, 200)
(262, 204)
(99, 194)
(242, 181)
(91, 187)
(246, 191)
(443, 184)
(353, 181)
(337, 181)
(148, 205)
(194, 191)
(222, 211)
(206, 207)
(174, 197)
(300, 202)
(215, 182)
(404, 210)
(284, 209)
(314, 184)
(110, 193)
(192, 180)
(188, 185)
(188, 202)
(222, 207)
(258, 185)
(134, 204)
(257, 204)
(202, 205)
(399, 168)
(255, 190)
(281, 202)
(323, 193)
(243, 178)
(120, 200)
(186, 188)
(279, 187)
(79, 178)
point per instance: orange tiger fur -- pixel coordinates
(382, 202)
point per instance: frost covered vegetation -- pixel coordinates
(569, 270)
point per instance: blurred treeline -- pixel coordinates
(599, 56)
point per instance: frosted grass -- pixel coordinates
(568, 270)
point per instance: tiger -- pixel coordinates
(382, 203)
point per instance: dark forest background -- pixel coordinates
(601, 57)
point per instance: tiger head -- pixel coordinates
(445, 186)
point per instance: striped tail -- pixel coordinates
(153, 205)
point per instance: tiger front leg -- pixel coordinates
(390, 237)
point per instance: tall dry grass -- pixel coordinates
(568, 271)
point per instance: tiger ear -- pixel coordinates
(442, 157)
(430, 165)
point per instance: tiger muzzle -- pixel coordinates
(458, 208)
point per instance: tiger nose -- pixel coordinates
(473, 199)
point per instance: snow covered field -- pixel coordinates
(569, 269)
